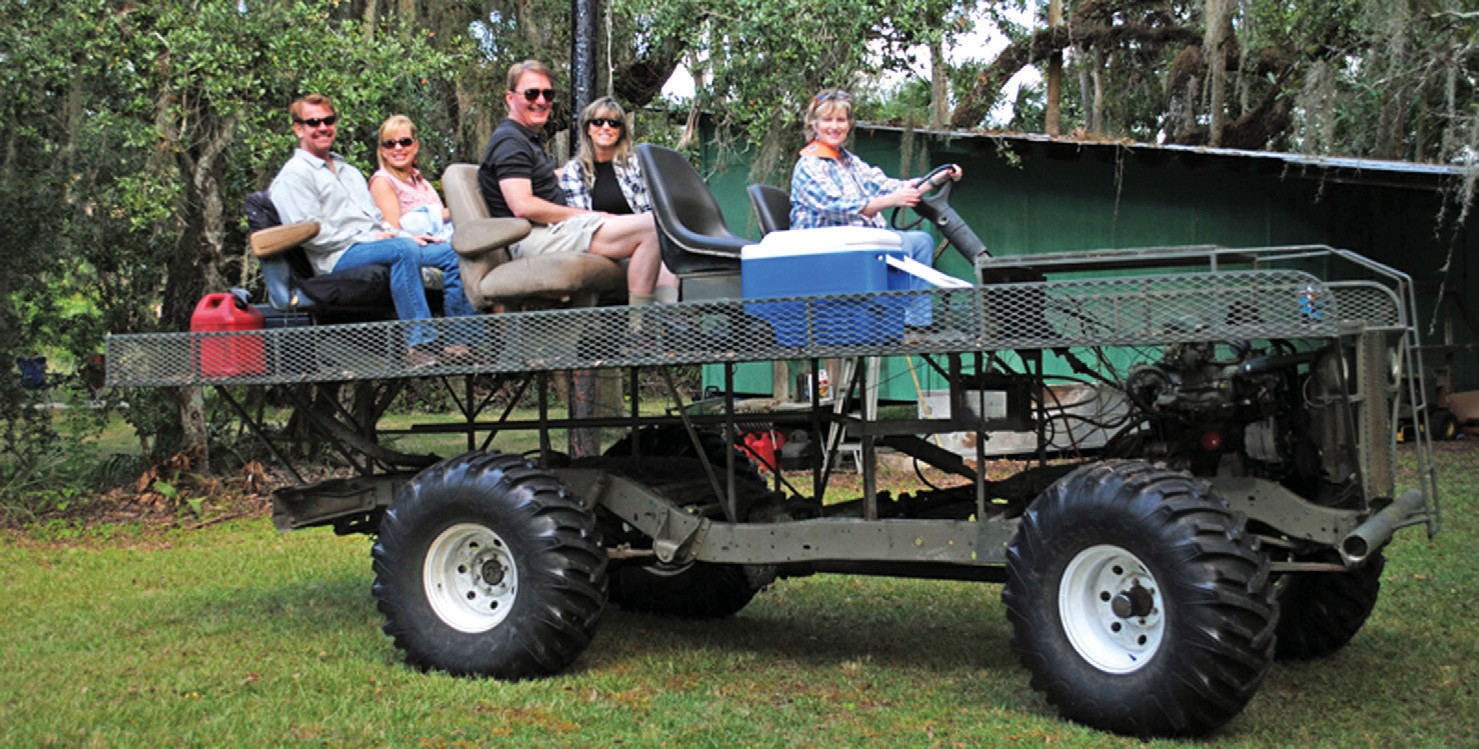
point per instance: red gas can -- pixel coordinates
(228, 355)
(763, 446)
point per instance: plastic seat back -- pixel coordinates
(772, 207)
(690, 225)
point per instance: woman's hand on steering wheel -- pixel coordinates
(933, 182)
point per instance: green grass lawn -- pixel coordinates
(234, 635)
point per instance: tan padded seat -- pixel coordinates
(273, 240)
(491, 276)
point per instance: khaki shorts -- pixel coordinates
(570, 235)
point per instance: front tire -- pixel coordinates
(486, 566)
(1138, 601)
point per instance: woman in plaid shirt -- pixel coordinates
(604, 175)
(831, 186)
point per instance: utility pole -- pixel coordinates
(582, 62)
(585, 390)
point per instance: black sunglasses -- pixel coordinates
(403, 143)
(316, 121)
(532, 95)
(615, 122)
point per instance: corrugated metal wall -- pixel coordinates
(1031, 195)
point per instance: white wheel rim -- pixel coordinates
(470, 578)
(1112, 609)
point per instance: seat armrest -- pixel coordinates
(277, 239)
(478, 236)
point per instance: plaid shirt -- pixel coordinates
(628, 176)
(833, 192)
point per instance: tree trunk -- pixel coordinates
(1214, 46)
(1389, 126)
(193, 430)
(1096, 111)
(939, 87)
(371, 16)
(1052, 117)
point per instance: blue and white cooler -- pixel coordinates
(848, 260)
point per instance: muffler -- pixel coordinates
(1373, 534)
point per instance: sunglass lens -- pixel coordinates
(532, 95)
(316, 121)
(402, 142)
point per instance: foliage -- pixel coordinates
(759, 62)
(132, 145)
(1391, 80)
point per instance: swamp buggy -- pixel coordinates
(1224, 504)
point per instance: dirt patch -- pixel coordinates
(173, 494)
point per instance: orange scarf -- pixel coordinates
(821, 150)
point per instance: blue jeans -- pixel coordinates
(405, 259)
(920, 246)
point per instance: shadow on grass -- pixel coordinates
(819, 621)
(831, 620)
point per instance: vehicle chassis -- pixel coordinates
(1263, 388)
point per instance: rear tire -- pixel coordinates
(1138, 602)
(1320, 612)
(486, 566)
(696, 590)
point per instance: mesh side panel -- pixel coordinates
(1138, 310)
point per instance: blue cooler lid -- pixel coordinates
(792, 242)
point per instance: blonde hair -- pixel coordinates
(295, 110)
(586, 154)
(393, 122)
(518, 69)
(829, 102)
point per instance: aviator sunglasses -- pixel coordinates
(316, 121)
(532, 95)
(402, 142)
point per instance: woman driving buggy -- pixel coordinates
(831, 186)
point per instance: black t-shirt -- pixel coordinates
(606, 195)
(516, 152)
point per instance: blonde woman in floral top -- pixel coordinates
(407, 200)
(831, 186)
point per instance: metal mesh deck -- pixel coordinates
(1153, 309)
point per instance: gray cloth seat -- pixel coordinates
(491, 276)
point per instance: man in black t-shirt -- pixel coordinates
(518, 180)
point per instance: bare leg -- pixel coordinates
(633, 237)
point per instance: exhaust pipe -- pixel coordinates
(1378, 529)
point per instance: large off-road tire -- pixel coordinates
(696, 590)
(673, 442)
(1138, 601)
(1319, 612)
(487, 566)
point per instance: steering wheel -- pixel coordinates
(935, 200)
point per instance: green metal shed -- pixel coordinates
(1026, 194)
